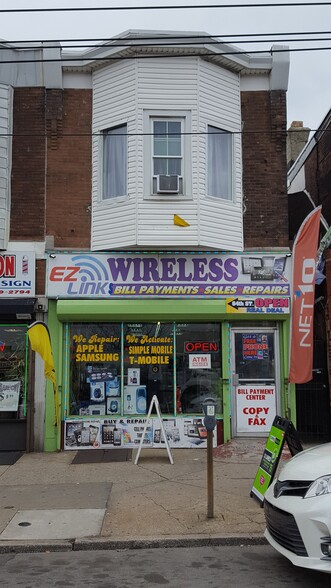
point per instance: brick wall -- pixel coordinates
(264, 169)
(28, 166)
(69, 167)
(318, 174)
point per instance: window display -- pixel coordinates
(116, 369)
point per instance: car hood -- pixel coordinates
(309, 464)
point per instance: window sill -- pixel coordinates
(100, 204)
(168, 197)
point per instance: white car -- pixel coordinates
(297, 509)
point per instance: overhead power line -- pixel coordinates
(72, 59)
(170, 41)
(165, 7)
(191, 134)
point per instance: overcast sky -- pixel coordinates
(310, 81)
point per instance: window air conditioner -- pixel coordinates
(167, 184)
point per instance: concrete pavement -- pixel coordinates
(48, 503)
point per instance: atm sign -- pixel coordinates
(200, 346)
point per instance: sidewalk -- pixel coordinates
(48, 503)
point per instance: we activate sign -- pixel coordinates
(256, 408)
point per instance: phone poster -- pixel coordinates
(116, 433)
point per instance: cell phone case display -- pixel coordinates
(104, 389)
(135, 400)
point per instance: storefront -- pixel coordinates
(17, 289)
(182, 327)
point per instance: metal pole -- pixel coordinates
(210, 475)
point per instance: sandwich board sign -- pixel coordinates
(281, 430)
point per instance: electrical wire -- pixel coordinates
(174, 43)
(245, 38)
(61, 135)
(164, 56)
(165, 7)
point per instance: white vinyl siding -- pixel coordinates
(202, 94)
(5, 161)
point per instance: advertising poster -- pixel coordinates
(256, 408)
(9, 396)
(127, 432)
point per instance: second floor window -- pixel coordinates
(219, 163)
(167, 156)
(114, 180)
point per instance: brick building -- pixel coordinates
(147, 179)
(309, 186)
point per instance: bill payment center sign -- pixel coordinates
(167, 275)
(256, 408)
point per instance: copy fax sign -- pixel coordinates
(256, 408)
(199, 361)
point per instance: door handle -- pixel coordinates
(235, 379)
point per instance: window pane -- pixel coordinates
(160, 146)
(160, 166)
(115, 162)
(219, 163)
(174, 128)
(95, 369)
(174, 167)
(195, 342)
(174, 146)
(160, 127)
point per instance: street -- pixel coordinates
(196, 567)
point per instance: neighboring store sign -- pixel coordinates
(304, 270)
(258, 305)
(119, 432)
(17, 274)
(256, 408)
(171, 275)
(9, 396)
(281, 430)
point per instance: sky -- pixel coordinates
(309, 92)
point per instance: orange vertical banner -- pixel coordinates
(303, 297)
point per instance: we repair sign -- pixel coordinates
(256, 408)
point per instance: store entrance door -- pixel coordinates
(255, 381)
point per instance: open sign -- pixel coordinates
(201, 346)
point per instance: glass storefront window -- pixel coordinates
(116, 369)
(13, 371)
(95, 369)
(148, 367)
(198, 366)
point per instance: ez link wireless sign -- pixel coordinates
(171, 275)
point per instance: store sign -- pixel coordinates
(201, 346)
(170, 276)
(17, 274)
(9, 396)
(200, 362)
(256, 408)
(258, 305)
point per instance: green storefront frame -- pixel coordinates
(206, 310)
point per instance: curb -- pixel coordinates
(99, 544)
